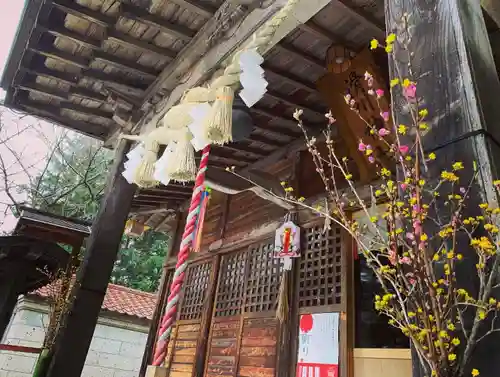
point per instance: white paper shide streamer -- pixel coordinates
(252, 77)
(134, 158)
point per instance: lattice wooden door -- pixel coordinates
(182, 348)
(243, 339)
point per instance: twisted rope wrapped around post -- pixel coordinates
(168, 319)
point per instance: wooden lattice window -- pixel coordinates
(264, 273)
(231, 289)
(196, 284)
(320, 268)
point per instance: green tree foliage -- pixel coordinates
(73, 184)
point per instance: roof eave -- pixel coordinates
(26, 23)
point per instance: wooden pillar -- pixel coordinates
(456, 76)
(73, 341)
(9, 292)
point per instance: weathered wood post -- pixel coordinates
(456, 77)
(73, 341)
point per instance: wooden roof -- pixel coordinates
(89, 64)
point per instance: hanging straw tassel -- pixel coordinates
(283, 303)
(144, 173)
(182, 165)
(219, 122)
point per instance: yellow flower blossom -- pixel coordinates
(402, 129)
(283, 183)
(483, 205)
(423, 113)
(496, 182)
(435, 258)
(424, 237)
(374, 219)
(391, 38)
(483, 243)
(443, 334)
(348, 176)
(450, 255)
(301, 199)
(373, 44)
(289, 189)
(458, 166)
(406, 83)
(481, 314)
(423, 126)
(385, 172)
(492, 301)
(389, 48)
(452, 357)
(432, 156)
(451, 326)
(448, 176)
(394, 82)
(455, 341)
(460, 256)
(475, 372)
(378, 192)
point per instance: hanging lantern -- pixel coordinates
(242, 121)
(338, 59)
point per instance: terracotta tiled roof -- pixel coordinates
(120, 300)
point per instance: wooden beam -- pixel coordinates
(196, 7)
(77, 10)
(139, 14)
(363, 17)
(292, 50)
(111, 79)
(87, 94)
(48, 73)
(94, 130)
(289, 78)
(47, 91)
(278, 132)
(320, 32)
(272, 114)
(129, 41)
(159, 198)
(492, 7)
(125, 64)
(223, 153)
(86, 110)
(54, 53)
(266, 140)
(244, 149)
(291, 103)
(71, 35)
(282, 153)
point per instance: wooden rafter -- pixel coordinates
(292, 50)
(224, 153)
(291, 103)
(290, 78)
(40, 89)
(52, 114)
(363, 17)
(245, 150)
(64, 97)
(266, 140)
(320, 32)
(48, 73)
(106, 78)
(65, 57)
(125, 64)
(77, 10)
(139, 14)
(272, 114)
(196, 7)
(87, 94)
(128, 41)
(62, 32)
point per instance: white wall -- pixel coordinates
(116, 349)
